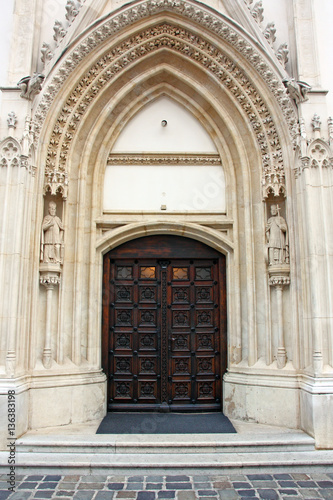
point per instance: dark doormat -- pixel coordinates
(165, 423)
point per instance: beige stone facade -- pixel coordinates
(237, 101)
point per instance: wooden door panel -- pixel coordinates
(162, 330)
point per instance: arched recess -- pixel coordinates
(211, 66)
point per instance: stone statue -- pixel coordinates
(52, 237)
(31, 85)
(277, 238)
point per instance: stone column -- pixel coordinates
(49, 278)
(280, 278)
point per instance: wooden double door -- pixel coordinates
(164, 325)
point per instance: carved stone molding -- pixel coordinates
(155, 159)
(191, 46)
(49, 279)
(279, 280)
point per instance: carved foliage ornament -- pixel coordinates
(191, 46)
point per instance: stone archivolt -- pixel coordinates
(191, 46)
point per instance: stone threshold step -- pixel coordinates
(170, 444)
(116, 460)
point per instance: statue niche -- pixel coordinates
(52, 237)
(277, 238)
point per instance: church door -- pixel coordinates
(164, 325)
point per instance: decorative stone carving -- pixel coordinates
(56, 181)
(277, 238)
(12, 120)
(279, 280)
(257, 12)
(50, 279)
(72, 10)
(330, 129)
(297, 90)
(316, 123)
(156, 159)
(269, 33)
(229, 74)
(47, 53)
(59, 32)
(31, 85)
(282, 54)
(52, 237)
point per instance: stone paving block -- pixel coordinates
(287, 484)
(67, 486)
(52, 478)
(116, 479)
(186, 495)
(307, 484)
(287, 492)
(247, 493)
(309, 493)
(26, 485)
(44, 494)
(154, 486)
(65, 493)
(125, 494)
(72, 478)
(84, 495)
(207, 493)
(238, 477)
(104, 495)
(154, 479)
(327, 494)
(319, 476)
(300, 476)
(136, 479)
(325, 484)
(238, 485)
(222, 485)
(4, 494)
(134, 486)
(94, 479)
(146, 495)
(282, 476)
(177, 479)
(34, 478)
(228, 495)
(115, 486)
(47, 485)
(330, 475)
(268, 494)
(90, 486)
(259, 477)
(20, 495)
(166, 494)
(3, 485)
(265, 484)
(178, 486)
(201, 486)
(202, 478)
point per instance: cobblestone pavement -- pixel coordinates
(179, 487)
